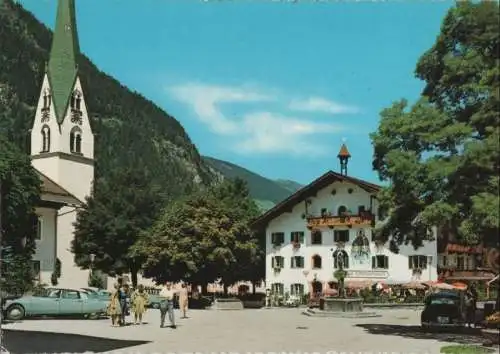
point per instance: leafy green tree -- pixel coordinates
(19, 193)
(235, 195)
(123, 205)
(441, 155)
(203, 238)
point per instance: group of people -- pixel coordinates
(125, 300)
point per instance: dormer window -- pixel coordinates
(45, 139)
(75, 141)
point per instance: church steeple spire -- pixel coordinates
(62, 67)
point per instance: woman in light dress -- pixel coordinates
(183, 300)
(114, 308)
(140, 300)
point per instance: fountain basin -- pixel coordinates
(336, 304)
(340, 307)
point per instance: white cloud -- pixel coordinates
(319, 104)
(259, 129)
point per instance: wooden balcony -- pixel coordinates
(365, 219)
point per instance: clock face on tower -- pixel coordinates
(67, 28)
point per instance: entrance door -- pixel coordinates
(70, 303)
(317, 287)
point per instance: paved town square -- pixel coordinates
(266, 330)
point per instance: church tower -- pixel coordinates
(62, 143)
(343, 157)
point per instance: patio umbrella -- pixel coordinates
(460, 286)
(414, 285)
(358, 284)
(442, 286)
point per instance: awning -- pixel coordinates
(469, 278)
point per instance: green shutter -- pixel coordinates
(282, 237)
(273, 262)
(273, 238)
(301, 237)
(409, 262)
(292, 262)
(374, 262)
(335, 236)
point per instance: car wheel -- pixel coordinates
(15, 313)
(93, 316)
(156, 306)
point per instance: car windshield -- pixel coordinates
(443, 301)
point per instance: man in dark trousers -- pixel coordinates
(167, 295)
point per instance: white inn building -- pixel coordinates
(332, 219)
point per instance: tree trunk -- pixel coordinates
(204, 288)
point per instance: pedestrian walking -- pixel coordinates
(114, 308)
(140, 300)
(124, 303)
(167, 295)
(183, 300)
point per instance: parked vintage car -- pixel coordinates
(443, 310)
(56, 302)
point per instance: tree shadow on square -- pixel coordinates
(20, 342)
(459, 336)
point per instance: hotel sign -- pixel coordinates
(367, 274)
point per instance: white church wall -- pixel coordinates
(45, 252)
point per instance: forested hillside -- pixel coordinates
(266, 192)
(129, 129)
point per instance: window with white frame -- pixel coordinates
(316, 237)
(297, 289)
(316, 261)
(341, 236)
(35, 268)
(380, 262)
(277, 238)
(442, 260)
(417, 262)
(278, 288)
(37, 227)
(278, 262)
(297, 262)
(297, 236)
(470, 263)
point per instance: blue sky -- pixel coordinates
(272, 86)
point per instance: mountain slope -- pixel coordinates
(265, 191)
(292, 186)
(124, 121)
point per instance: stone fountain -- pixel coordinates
(341, 305)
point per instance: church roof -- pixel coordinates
(62, 67)
(51, 191)
(309, 191)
